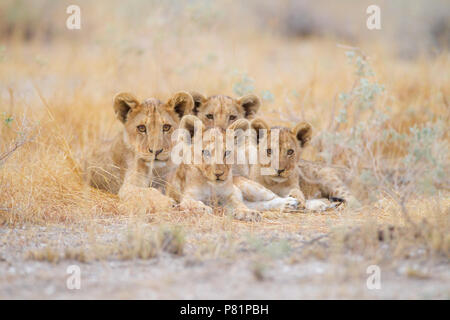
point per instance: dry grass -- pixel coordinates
(56, 104)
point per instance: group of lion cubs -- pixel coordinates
(137, 164)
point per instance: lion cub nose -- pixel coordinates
(281, 171)
(218, 175)
(157, 151)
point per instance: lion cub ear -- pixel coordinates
(192, 124)
(240, 124)
(198, 100)
(182, 103)
(239, 128)
(261, 128)
(303, 133)
(250, 103)
(123, 103)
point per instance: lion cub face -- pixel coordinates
(221, 111)
(150, 124)
(216, 155)
(289, 147)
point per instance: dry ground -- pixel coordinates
(55, 106)
(288, 256)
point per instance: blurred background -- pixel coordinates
(411, 27)
(223, 40)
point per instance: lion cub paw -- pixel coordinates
(316, 205)
(159, 201)
(147, 199)
(246, 215)
(194, 205)
(291, 203)
(298, 195)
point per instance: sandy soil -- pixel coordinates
(245, 266)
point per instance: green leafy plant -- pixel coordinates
(362, 132)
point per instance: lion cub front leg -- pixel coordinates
(258, 197)
(238, 209)
(135, 192)
(188, 204)
(311, 205)
(297, 194)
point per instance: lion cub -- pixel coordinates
(294, 177)
(221, 110)
(136, 163)
(208, 181)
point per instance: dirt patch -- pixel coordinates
(246, 264)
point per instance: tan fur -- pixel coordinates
(134, 161)
(221, 110)
(225, 110)
(295, 177)
(318, 179)
(209, 183)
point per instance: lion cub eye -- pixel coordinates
(269, 152)
(290, 152)
(206, 153)
(210, 116)
(141, 128)
(232, 117)
(166, 127)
